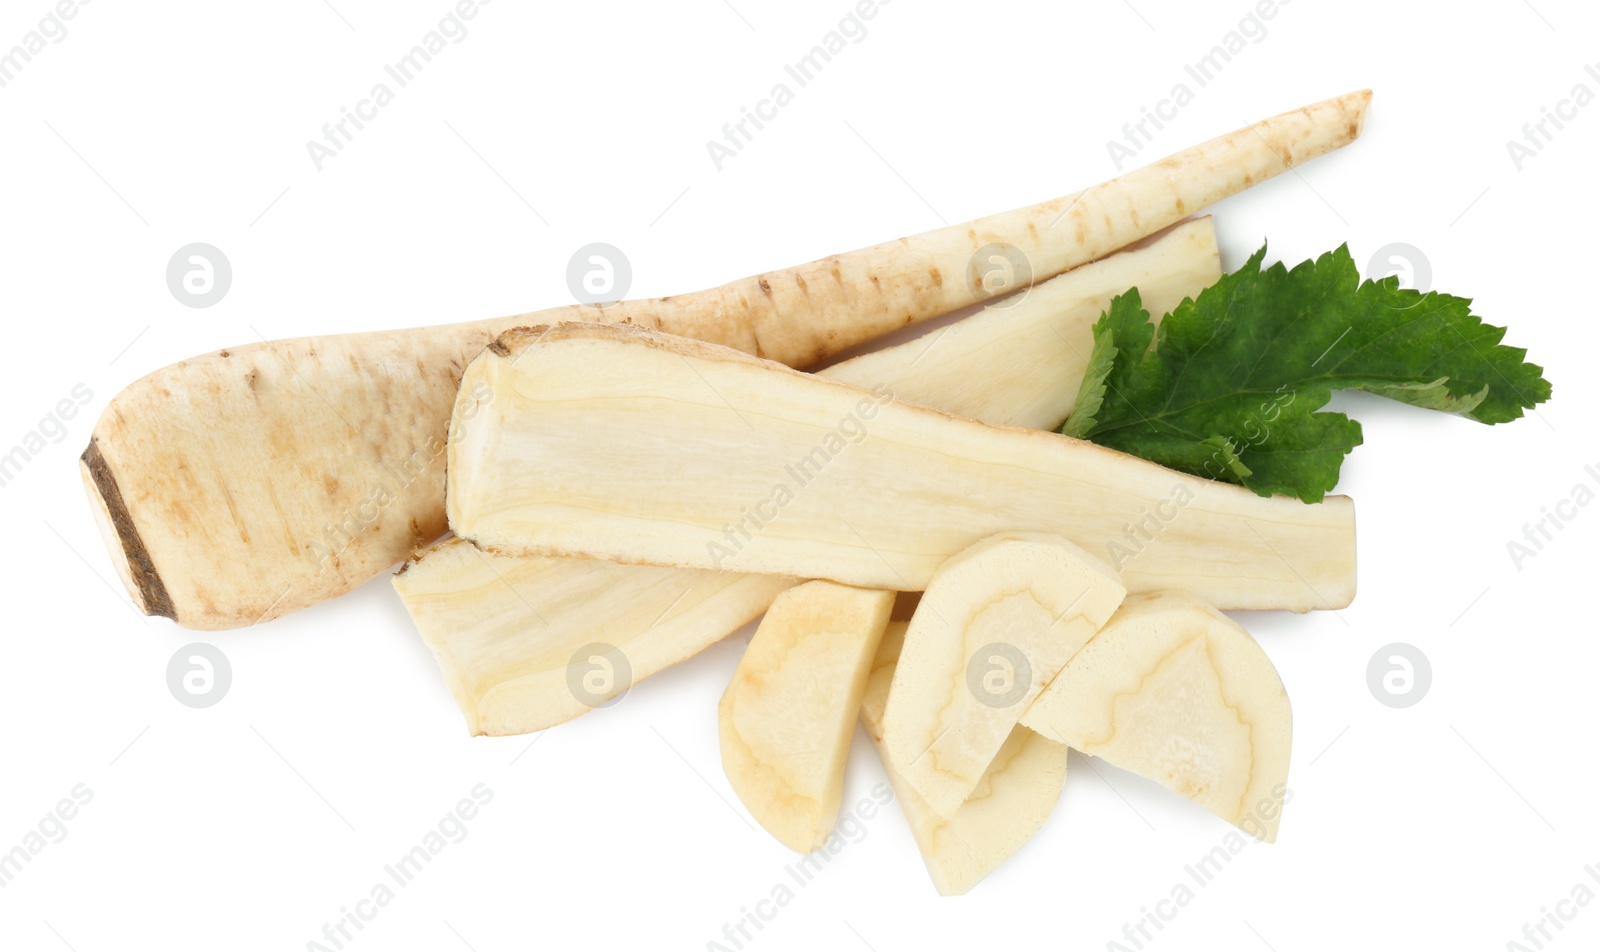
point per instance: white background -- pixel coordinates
(250, 824)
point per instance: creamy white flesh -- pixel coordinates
(789, 712)
(1174, 690)
(616, 443)
(995, 625)
(1015, 796)
(504, 628)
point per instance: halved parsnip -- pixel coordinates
(500, 626)
(508, 633)
(994, 626)
(1020, 363)
(1173, 690)
(788, 713)
(1015, 796)
(619, 443)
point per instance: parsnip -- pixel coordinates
(994, 626)
(504, 628)
(788, 714)
(250, 482)
(618, 443)
(506, 631)
(1014, 798)
(1021, 364)
(1175, 691)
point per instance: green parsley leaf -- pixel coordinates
(1234, 386)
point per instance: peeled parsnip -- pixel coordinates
(790, 710)
(1020, 364)
(504, 629)
(1176, 691)
(614, 442)
(250, 482)
(508, 633)
(995, 625)
(1018, 791)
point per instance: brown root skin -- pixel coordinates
(149, 592)
(231, 471)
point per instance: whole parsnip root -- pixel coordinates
(790, 710)
(614, 442)
(251, 482)
(1012, 800)
(504, 629)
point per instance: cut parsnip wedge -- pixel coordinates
(618, 443)
(1020, 363)
(1175, 691)
(994, 626)
(787, 716)
(514, 637)
(1015, 796)
(501, 626)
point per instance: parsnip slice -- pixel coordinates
(619, 443)
(788, 713)
(1015, 796)
(500, 626)
(994, 626)
(1174, 690)
(509, 633)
